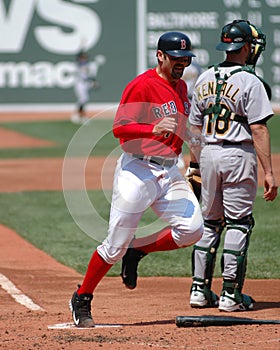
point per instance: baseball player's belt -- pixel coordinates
(168, 162)
(225, 143)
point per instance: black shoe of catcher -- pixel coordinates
(80, 305)
(129, 267)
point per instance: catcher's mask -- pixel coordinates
(175, 44)
(234, 35)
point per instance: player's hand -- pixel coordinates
(165, 126)
(192, 171)
(270, 188)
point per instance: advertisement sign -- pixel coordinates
(40, 40)
(203, 20)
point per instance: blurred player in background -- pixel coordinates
(85, 82)
(190, 76)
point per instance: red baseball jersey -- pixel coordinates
(145, 101)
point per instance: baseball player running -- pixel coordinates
(231, 108)
(151, 126)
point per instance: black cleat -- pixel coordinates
(80, 305)
(129, 267)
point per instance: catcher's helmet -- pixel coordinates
(234, 35)
(175, 44)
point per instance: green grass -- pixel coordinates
(43, 218)
(274, 128)
(97, 133)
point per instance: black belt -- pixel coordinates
(226, 143)
(168, 162)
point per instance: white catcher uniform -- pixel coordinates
(228, 162)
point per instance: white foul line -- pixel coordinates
(17, 294)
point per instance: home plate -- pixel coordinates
(70, 325)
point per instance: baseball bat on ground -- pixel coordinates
(205, 321)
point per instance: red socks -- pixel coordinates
(97, 269)
(159, 241)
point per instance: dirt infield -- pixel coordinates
(143, 318)
(139, 319)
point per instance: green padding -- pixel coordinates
(211, 253)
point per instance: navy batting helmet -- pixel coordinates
(175, 44)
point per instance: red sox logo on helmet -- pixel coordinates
(183, 44)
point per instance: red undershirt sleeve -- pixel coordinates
(133, 130)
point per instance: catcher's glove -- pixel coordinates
(194, 181)
(193, 178)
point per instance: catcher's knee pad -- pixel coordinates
(237, 254)
(215, 225)
(244, 224)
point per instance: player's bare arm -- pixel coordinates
(193, 139)
(261, 141)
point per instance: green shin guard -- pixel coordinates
(206, 283)
(245, 225)
(217, 226)
(234, 287)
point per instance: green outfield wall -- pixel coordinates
(39, 40)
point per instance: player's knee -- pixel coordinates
(187, 236)
(111, 254)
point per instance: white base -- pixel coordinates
(70, 325)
